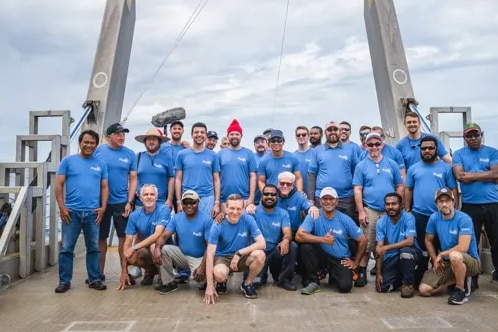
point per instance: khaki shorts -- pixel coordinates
(225, 260)
(435, 280)
(369, 230)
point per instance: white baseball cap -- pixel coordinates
(328, 191)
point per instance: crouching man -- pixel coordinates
(397, 249)
(230, 249)
(146, 225)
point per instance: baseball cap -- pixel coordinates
(190, 194)
(116, 128)
(268, 131)
(373, 135)
(444, 191)
(276, 133)
(328, 191)
(263, 137)
(212, 133)
(331, 124)
(471, 126)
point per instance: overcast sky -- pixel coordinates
(226, 65)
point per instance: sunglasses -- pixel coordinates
(371, 145)
(430, 148)
(472, 135)
(276, 140)
(189, 203)
(286, 184)
(364, 134)
(332, 129)
(301, 135)
(270, 194)
(345, 129)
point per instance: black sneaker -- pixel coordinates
(147, 280)
(62, 288)
(457, 297)
(102, 278)
(166, 289)
(287, 285)
(221, 288)
(97, 285)
(248, 290)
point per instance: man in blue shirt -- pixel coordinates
(458, 259)
(211, 140)
(198, 169)
(304, 153)
(235, 244)
(397, 252)
(374, 177)
(238, 168)
(191, 227)
(425, 176)
(409, 146)
(87, 192)
(345, 136)
(316, 134)
(121, 164)
(324, 243)
(476, 168)
(279, 160)
(260, 148)
(144, 228)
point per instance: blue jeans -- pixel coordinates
(70, 232)
(400, 269)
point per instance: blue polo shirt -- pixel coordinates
(229, 237)
(305, 159)
(271, 167)
(272, 225)
(391, 233)
(143, 223)
(198, 169)
(294, 204)
(236, 167)
(191, 235)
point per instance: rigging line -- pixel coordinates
(197, 10)
(280, 61)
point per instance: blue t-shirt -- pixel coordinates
(449, 230)
(257, 195)
(334, 167)
(343, 228)
(155, 170)
(120, 162)
(410, 149)
(477, 192)
(356, 148)
(145, 224)
(392, 233)
(271, 167)
(294, 204)
(229, 237)
(272, 225)
(191, 235)
(377, 179)
(390, 152)
(236, 167)
(172, 150)
(198, 169)
(305, 159)
(426, 179)
(83, 181)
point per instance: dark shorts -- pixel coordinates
(434, 280)
(114, 211)
(225, 260)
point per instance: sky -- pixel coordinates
(226, 65)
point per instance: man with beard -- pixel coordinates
(476, 167)
(345, 137)
(397, 251)
(427, 175)
(459, 259)
(212, 140)
(304, 153)
(280, 250)
(409, 146)
(198, 169)
(333, 166)
(374, 177)
(85, 179)
(238, 168)
(316, 134)
(324, 243)
(121, 164)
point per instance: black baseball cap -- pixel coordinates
(212, 133)
(116, 128)
(263, 137)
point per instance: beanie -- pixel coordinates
(234, 126)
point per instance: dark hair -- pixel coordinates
(345, 123)
(394, 194)
(429, 138)
(6, 207)
(269, 185)
(302, 128)
(412, 115)
(319, 129)
(88, 132)
(174, 123)
(365, 127)
(198, 125)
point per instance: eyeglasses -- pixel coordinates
(332, 129)
(472, 135)
(301, 135)
(430, 148)
(345, 129)
(189, 203)
(270, 194)
(286, 184)
(371, 145)
(276, 140)
(364, 134)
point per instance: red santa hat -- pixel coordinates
(234, 126)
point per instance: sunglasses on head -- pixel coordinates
(270, 194)
(371, 145)
(474, 134)
(430, 148)
(276, 140)
(301, 135)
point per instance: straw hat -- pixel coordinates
(152, 132)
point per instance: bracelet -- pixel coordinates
(131, 203)
(216, 202)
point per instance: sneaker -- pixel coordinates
(62, 288)
(362, 277)
(287, 285)
(221, 288)
(97, 285)
(468, 285)
(158, 284)
(102, 278)
(147, 280)
(248, 290)
(457, 297)
(407, 291)
(166, 289)
(310, 289)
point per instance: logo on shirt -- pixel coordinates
(97, 169)
(484, 160)
(453, 231)
(244, 234)
(438, 175)
(198, 234)
(286, 165)
(241, 159)
(343, 157)
(157, 165)
(291, 208)
(124, 160)
(387, 170)
(337, 231)
(207, 162)
(307, 160)
(275, 224)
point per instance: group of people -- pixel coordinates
(324, 209)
